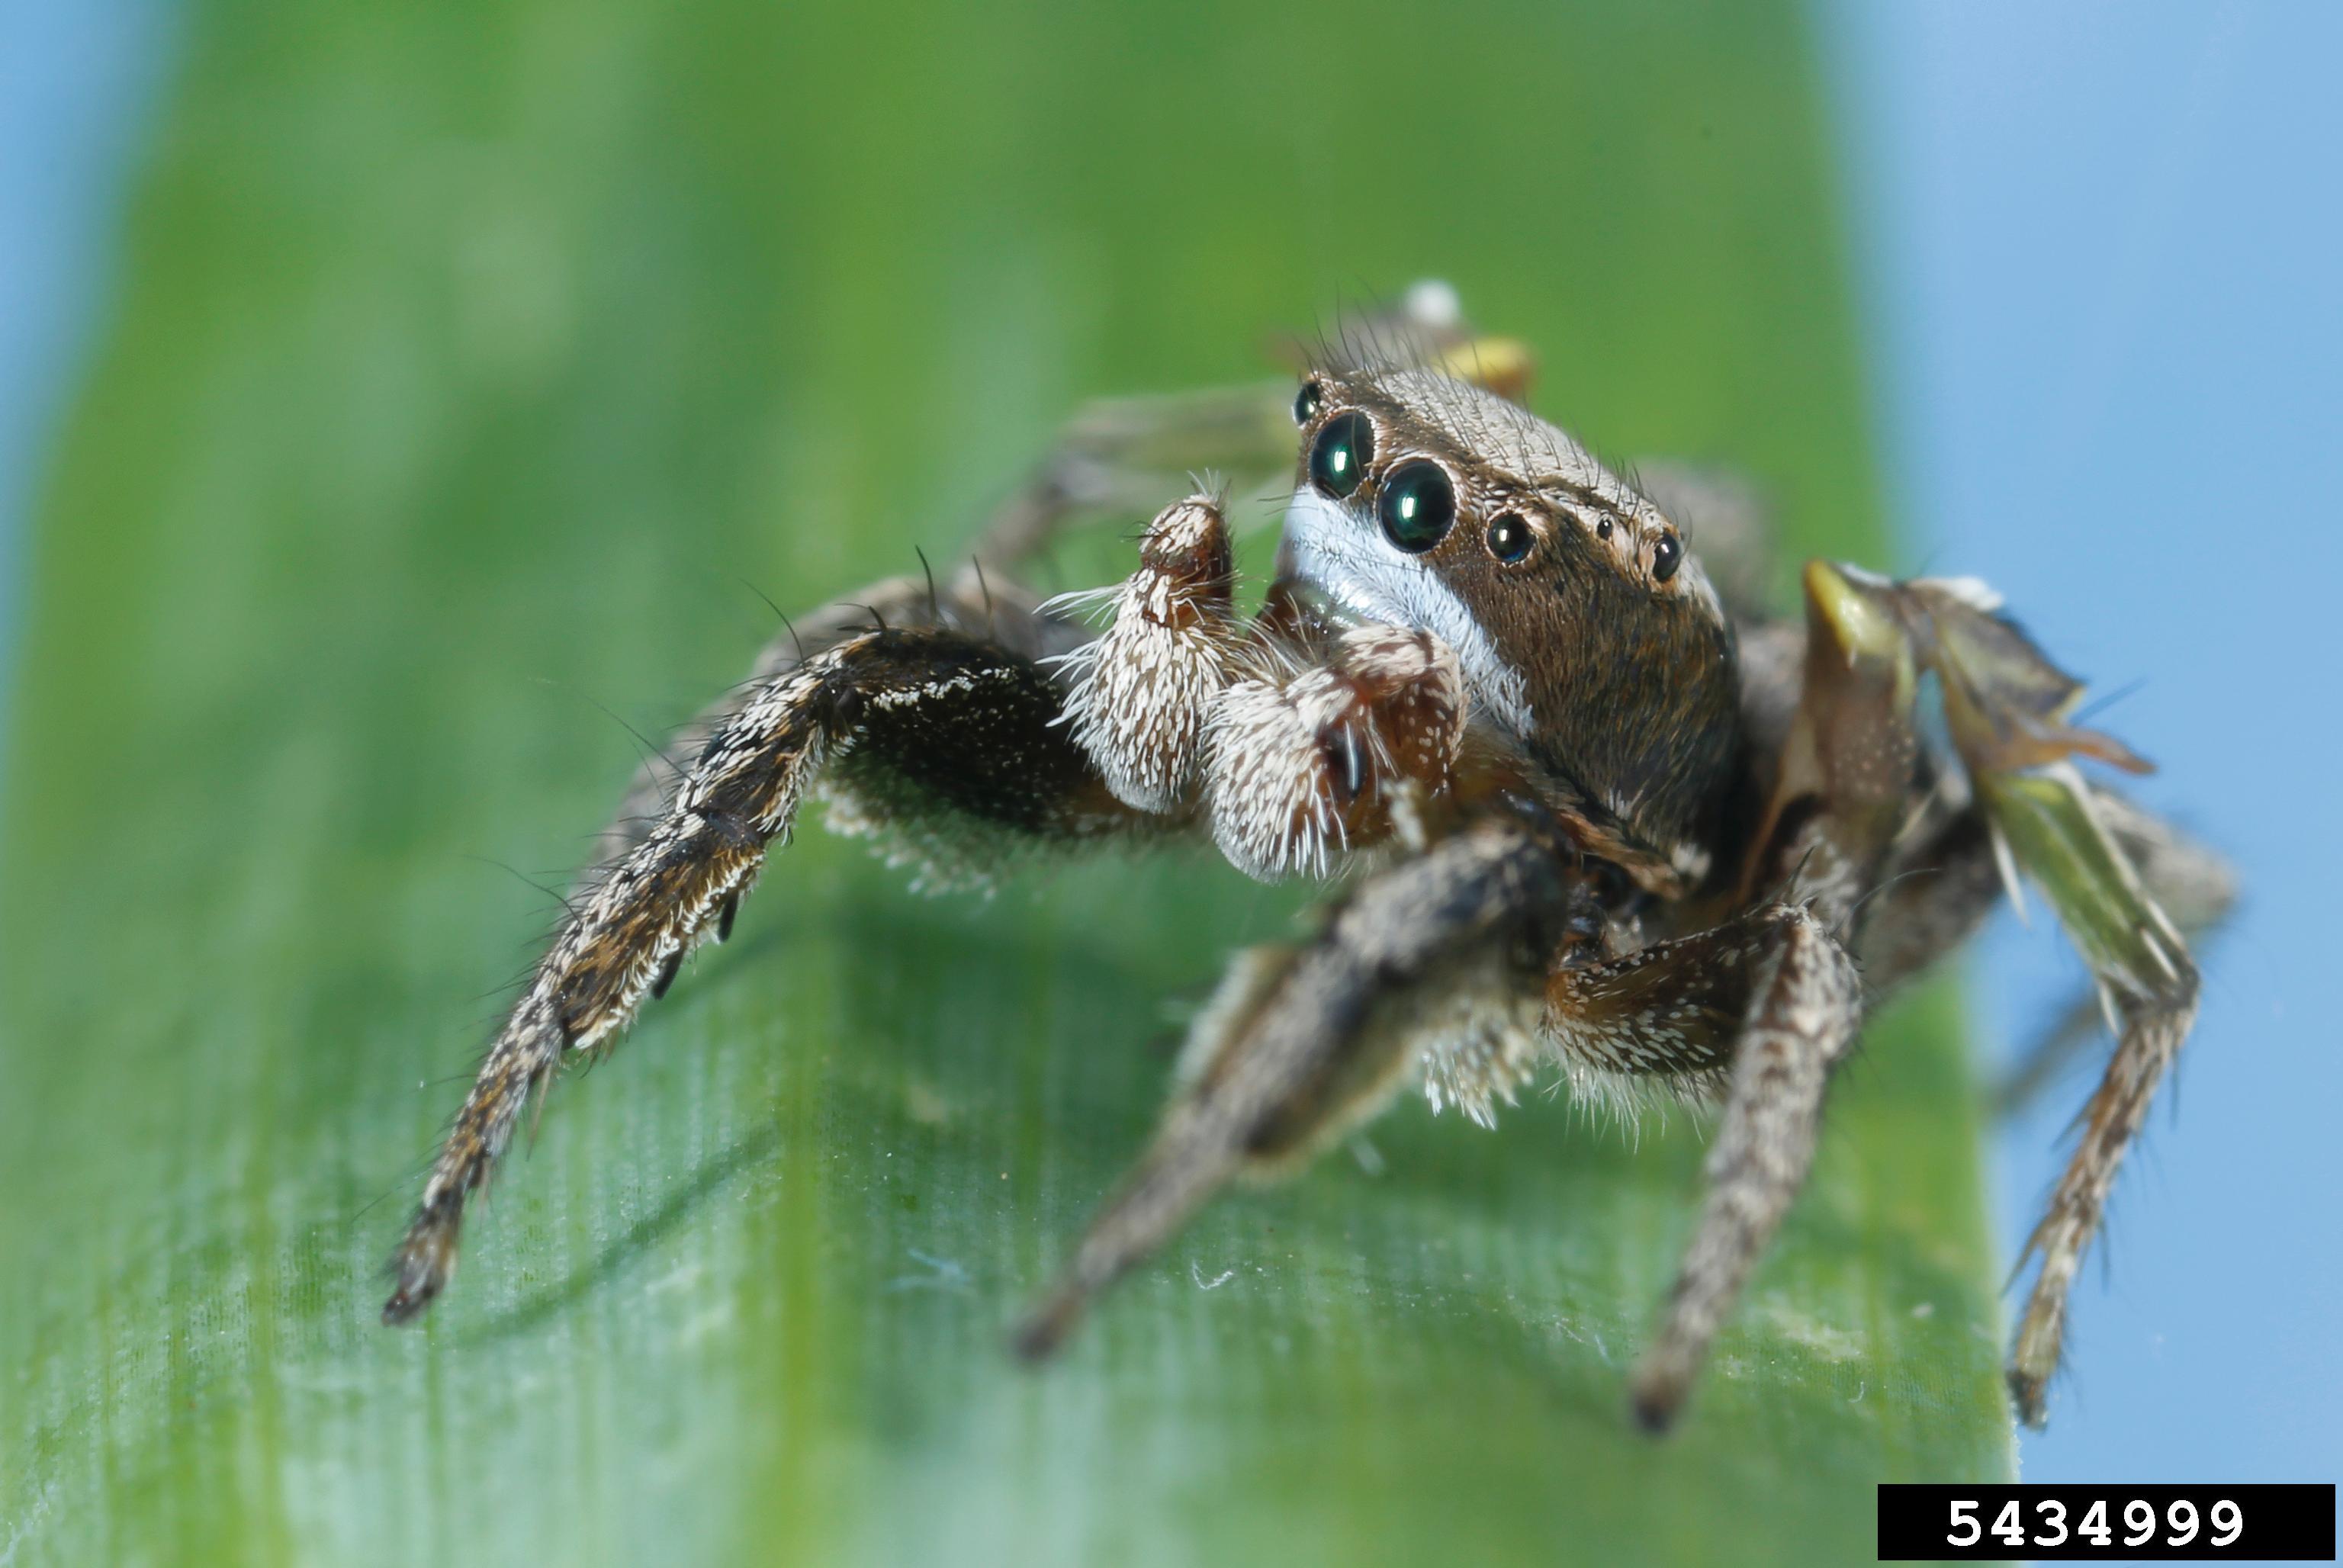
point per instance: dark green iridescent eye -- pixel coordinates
(1510, 538)
(1417, 506)
(1308, 402)
(1341, 454)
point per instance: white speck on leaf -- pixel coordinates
(943, 1274)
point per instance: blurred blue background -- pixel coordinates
(2099, 247)
(74, 80)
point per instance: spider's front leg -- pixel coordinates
(911, 726)
(1299, 755)
(1800, 1012)
(1303, 1043)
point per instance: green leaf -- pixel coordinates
(470, 360)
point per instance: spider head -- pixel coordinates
(1588, 635)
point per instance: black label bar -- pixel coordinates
(2107, 1523)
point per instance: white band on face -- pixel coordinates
(1364, 575)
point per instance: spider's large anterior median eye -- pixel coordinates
(1417, 506)
(1339, 456)
(1667, 554)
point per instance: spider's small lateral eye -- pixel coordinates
(1339, 457)
(1667, 554)
(1509, 538)
(1417, 506)
(1602, 527)
(1308, 402)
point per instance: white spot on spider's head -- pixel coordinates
(1363, 575)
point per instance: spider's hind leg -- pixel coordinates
(2008, 709)
(2056, 831)
(1122, 454)
(2191, 883)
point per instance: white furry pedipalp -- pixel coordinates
(1274, 812)
(1299, 768)
(1136, 701)
(1136, 697)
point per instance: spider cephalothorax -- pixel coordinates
(1601, 816)
(1426, 500)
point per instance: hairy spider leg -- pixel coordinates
(2188, 881)
(1303, 1044)
(2009, 713)
(915, 725)
(1803, 1012)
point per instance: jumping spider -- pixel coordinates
(1599, 811)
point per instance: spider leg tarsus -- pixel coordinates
(423, 1265)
